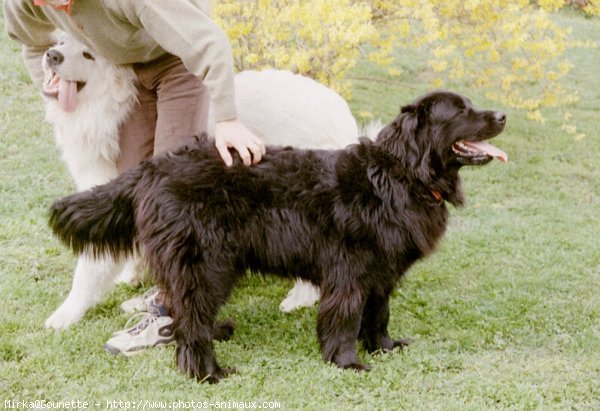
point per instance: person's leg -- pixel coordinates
(182, 106)
(136, 143)
(136, 139)
(173, 106)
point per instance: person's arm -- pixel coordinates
(27, 25)
(233, 133)
(182, 29)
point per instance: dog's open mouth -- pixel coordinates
(478, 151)
(65, 91)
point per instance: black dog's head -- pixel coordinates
(440, 132)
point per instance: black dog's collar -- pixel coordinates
(438, 196)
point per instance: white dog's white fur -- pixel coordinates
(278, 106)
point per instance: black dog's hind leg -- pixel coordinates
(338, 325)
(223, 330)
(374, 328)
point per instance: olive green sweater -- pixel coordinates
(133, 31)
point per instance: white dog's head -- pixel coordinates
(74, 73)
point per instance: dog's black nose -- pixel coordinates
(500, 117)
(54, 57)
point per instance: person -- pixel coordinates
(183, 62)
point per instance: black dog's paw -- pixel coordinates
(357, 367)
(224, 330)
(401, 343)
(218, 375)
(347, 360)
(384, 344)
(201, 367)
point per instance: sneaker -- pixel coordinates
(150, 331)
(139, 303)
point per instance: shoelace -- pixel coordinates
(142, 302)
(146, 319)
(149, 292)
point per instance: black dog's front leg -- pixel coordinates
(194, 308)
(338, 325)
(195, 352)
(195, 330)
(373, 330)
(199, 361)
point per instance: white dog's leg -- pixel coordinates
(129, 274)
(92, 278)
(133, 271)
(304, 294)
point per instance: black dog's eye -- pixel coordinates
(461, 109)
(88, 56)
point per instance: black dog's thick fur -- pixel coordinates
(351, 221)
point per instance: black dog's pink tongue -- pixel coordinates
(488, 149)
(67, 95)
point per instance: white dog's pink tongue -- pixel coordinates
(67, 95)
(488, 149)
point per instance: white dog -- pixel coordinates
(88, 98)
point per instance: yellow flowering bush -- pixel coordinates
(318, 38)
(510, 48)
(590, 7)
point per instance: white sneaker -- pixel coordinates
(139, 303)
(150, 331)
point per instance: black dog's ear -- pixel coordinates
(408, 109)
(401, 139)
(398, 136)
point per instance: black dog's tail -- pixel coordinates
(100, 220)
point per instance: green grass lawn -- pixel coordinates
(506, 314)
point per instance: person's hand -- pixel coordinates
(234, 134)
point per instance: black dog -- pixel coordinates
(351, 221)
